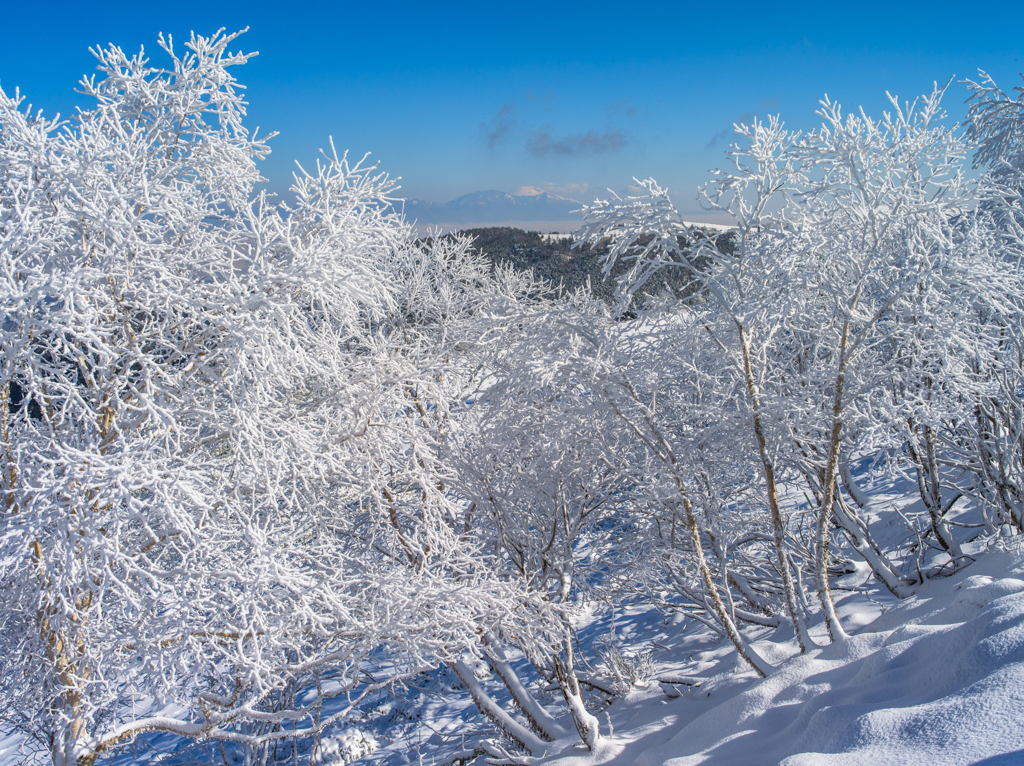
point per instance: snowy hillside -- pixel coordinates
(937, 678)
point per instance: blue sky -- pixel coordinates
(570, 97)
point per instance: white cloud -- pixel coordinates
(572, 191)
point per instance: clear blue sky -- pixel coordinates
(574, 97)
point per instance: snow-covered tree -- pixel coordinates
(852, 241)
(992, 446)
(217, 415)
(537, 464)
(594, 461)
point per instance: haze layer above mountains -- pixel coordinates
(486, 206)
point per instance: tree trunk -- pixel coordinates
(860, 537)
(778, 523)
(835, 628)
(745, 651)
(929, 486)
(565, 671)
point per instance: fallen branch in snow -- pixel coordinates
(510, 727)
(670, 684)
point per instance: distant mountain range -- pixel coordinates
(494, 207)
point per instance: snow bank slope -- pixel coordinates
(938, 679)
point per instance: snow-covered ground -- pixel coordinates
(936, 679)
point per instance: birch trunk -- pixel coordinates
(778, 523)
(744, 649)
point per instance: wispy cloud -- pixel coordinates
(547, 99)
(743, 119)
(591, 142)
(623, 107)
(500, 125)
(567, 190)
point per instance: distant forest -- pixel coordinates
(558, 262)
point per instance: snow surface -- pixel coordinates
(936, 679)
